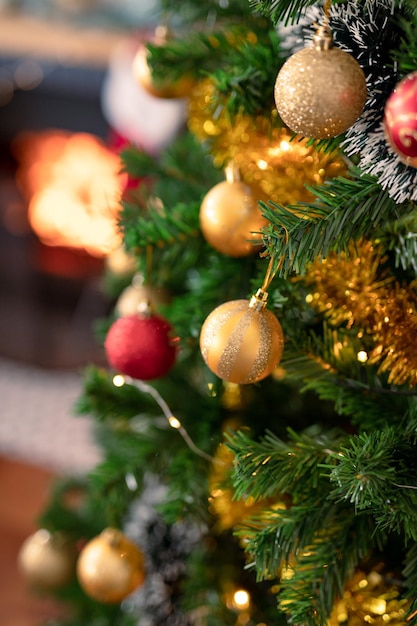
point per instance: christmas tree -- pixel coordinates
(258, 414)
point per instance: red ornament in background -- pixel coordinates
(141, 346)
(400, 120)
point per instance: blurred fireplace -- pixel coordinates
(50, 295)
(72, 185)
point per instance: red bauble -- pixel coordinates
(141, 346)
(400, 120)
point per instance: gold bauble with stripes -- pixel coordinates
(242, 341)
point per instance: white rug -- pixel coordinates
(37, 420)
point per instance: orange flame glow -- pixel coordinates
(73, 183)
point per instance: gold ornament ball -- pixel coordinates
(110, 567)
(320, 93)
(47, 561)
(240, 343)
(230, 219)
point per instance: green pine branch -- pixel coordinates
(286, 11)
(242, 62)
(101, 399)
(400, 238)
(376, 473)
(272, 466)
(346, 210)
(195, 11)
(183, 172)
(243, 82)
(406, 53)
(319, 540)
(354, 389)
(160, 226)
(324, 567)
(194, 54)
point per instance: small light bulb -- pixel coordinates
(174, 422)
(118, 380)
(262, 164)
(362, 356)
(241, 599)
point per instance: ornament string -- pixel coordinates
(269, 276)
(171, 419)
(326, 19)
(326, 10)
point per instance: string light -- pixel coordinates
(362, 356)
(241, 599)
(174, 422)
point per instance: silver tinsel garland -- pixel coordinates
(165, 548)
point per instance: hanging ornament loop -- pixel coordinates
(232, 173)
(113, 536)
(269, 276)
(323, 38)
(259, 300)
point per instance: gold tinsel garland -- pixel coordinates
(275, 164)
(229, 512)
(370, 598)
(357, 289)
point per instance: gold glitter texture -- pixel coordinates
(358, 290)
(241, 344)
(276, 165)
(320, 93)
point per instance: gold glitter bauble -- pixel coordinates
(230, 218)
(241, 343)
(47, 561)
(320, 92)
(110, 567)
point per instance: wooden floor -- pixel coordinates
(23, 493)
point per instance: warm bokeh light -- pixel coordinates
(362, 356)
(241, 599)
(174, 422)
(119, 380)
(73, 184)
